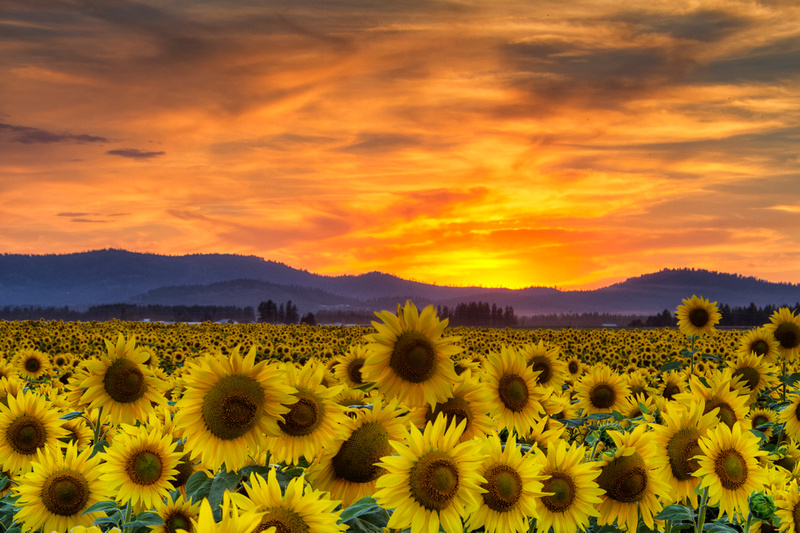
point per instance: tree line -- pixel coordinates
(478, 314)
(750, 316)
(286, 313)
(133, 312)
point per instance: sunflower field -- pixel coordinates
(409, 425)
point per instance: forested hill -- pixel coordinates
(111, 276)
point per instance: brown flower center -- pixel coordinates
(681, 449)
(731, 468)
(413, 357)
(434, 480)
(124, 381)
(625, 478)
(513, 392)
(65, 493)
(563, 488)
(602, 396)
(503, 488)
(355, 460)
(26, 434)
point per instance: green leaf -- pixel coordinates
(148, 519)
(719, 527)
(70, 416)
(618, 417)
(672, 365)
(101, 506)
(223, 481)
(99, 446)
(677, 513)
(599, 416)
(643, 408)
(759, 434)
(789, 379)
(712, 357)
(197, 486)
(105, 521)
(363, 506)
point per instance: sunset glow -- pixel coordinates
(462, 143)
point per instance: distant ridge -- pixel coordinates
(115, 276)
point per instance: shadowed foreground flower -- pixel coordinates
(729, 467)
(28, 424)
(697, 315)
(785, 327)
(433, 480)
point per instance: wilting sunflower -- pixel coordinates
(59, 489)
(232, 520)
(121, 384)
(177, 514)
(229, 403)
(632, 480)
(790, 416)
(697, 316)
(788, 507)
(313, 419)
(470, 401)
(27, 425)
(140, 465)
(433, 481)
(728, 467)
(347, 468)
(760, 341)
(544, 359)
(516, 399)
(300, 510)
(409, 359)
(32, 364)
(571, 494)
(785, 327)
(676, 439)
(513, 481)
(348, 366)
(601, 390)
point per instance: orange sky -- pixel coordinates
(526, 143)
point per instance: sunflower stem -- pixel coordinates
(783, 376)
(127, 517)
(98, 424)
(701, 512)
(668, 526)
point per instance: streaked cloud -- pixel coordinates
(135, 153)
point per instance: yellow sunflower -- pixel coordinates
(760, 416)
(571, 494)
(755, 372)
(348, 366)
(299, 510)
(788, 507)
(433, 480)
(409, 359)
(516, 399)
(760, 341)
(229, 403)
(697, 316)
(232, 521)
(676, 439)
(543, 431)
(790, 417)
(632, 480)
(719, 392)
(785, 327)
(77, 432)
(600, 390)
(544, 359)
(470, 401)
(513, 481)
(575, 368)
(177, 514)
(728, 467)
(56, 493)
(313, 419)
(121, 384)
(28, 424)
(140, 465)
(32, 364)
(347, 467)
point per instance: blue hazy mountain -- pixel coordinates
(97, 277)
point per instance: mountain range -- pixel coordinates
(80, 280)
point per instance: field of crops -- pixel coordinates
(408, 425)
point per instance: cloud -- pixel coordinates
(135, 153)
(29, 135)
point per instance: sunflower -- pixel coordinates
(409, 359)
(229, 403)
(231, 522)
(513, 481)
(541, 432)
(760, 341)
(676, 440)
(790, 417)
(762, 419)
(470, 401)
(755, 372)
(719, 392)
(570, 493)
(59, 489)
(788, 507)
(313, 419)
(32, 364)
(348, 366)
(301, 509)
(544, 359)
(632, 480)
(697, 316)
(601, 390)
(346, 468)
(176, 513)
(139, 466)
(785, 328)
(575, 368)
(728, 467)
(433, 481)
(121, 384)
(77, 432)
(27, 425)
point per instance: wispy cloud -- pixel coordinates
(29, 135)
(135, 153)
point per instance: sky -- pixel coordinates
(502, 144)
